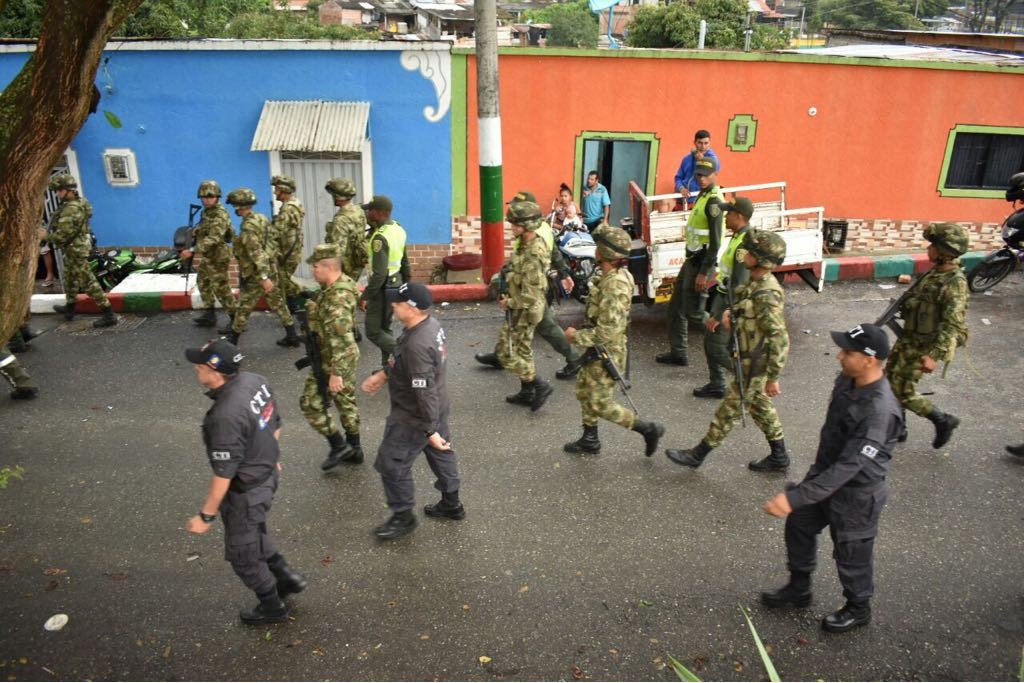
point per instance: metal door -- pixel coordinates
(311, 173)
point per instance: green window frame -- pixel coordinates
(652, 160)
(990, 192)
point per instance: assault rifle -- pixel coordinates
(599, 352)
(313, 359)
(888, 317)
(188, 236)
(737, 362)
(503, 291)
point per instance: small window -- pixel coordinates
(120, 167)
(980, 159)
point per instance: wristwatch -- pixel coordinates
(206, 518)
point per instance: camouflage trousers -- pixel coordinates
(595, 391)
(517, 358)
(11, 370)
(79, 278)
(212, 281)
(285, 269)
(759, 405)
(321, 419)
(251, 293)
(904, 372)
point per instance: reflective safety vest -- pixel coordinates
(728, 256)
(698, 232)
(395, 236)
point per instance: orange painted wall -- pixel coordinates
(874, 150)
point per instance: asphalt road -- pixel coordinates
(566, 567)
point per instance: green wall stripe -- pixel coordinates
(491, 202)
(893, 266)
(831, 270)
(458, 116)
(143, 301)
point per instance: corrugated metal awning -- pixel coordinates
(312, 126)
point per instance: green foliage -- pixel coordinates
(688, 676)
(574, 28)
(877, 14)
(285, 25)
(187, 18)
(545, 15)
(678, 25)
(682, 672)
(6, 474)
(21, 18)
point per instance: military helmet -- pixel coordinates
(283, 182)
(1015, 187)
(612, 243)
(243, 196)
(949, 237)
(524, 214)
(208, 188)
(63, 181)
(341, 187)
(766, 246)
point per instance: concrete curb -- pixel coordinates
(840, 268)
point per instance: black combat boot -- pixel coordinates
(289, 581)
(709, 390)
(232, 336)
(340, 449)
(571, 369)
(67, 310)
(902, 438)
(107, 318)
(449, 506)
(541, 391)
(400, 524)
(23, 393)
(850, 616)
(357, 334)
(1016, 450)
(672, 358)
(27, 333)
(652, 433)
(271, 610)
(691, 458)
(588, 443)
(207, 319)
(294, 303)
(777, 461)
(229, 327)
(356, 457)
(944, 426)
(796, 593)
(17, 344)
(525, 395)
(291, 337)
(489, 359)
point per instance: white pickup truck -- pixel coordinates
(660, 245)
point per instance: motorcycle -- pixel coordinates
(992, 269)
(112, 266)
(579, 250)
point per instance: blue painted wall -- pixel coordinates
(199, 110)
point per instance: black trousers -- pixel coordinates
(247, 546)
(395, 458)
(851, 515)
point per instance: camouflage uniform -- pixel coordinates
(213, 236)
(527, 291)
(287, 234)
(348, 230)
(11, 370)
(69, 231)
(256, 261)
(934, 325)
(332, 319)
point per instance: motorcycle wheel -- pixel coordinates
(990, 271)
(581, 279)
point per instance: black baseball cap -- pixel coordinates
(219, 354)
(870, 340)
(412, 293)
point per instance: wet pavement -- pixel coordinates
(565, 568)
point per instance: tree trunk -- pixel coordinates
(41, 111)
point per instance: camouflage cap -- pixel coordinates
(208, 188)
(766, 246)
(704, 167)
(740, 205)
(341, 187)
(283, 182)
(612, 243)
(523, 196)
(324, 251)
(242, 196)
(949, 237)
(379, 203)
(63, 181)
(525, 214)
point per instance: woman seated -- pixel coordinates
(565, 215)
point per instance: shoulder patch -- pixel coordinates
(377, 245)
(869, 451)
(419, 383)
(220, 455)
(714, 210)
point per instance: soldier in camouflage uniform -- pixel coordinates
(527, 278)
(287, 231)
(70, 232)
(348, 230)
(763, 349)
(608, 305)
(10, 368)
(256, 268)
(332, 320)
(934, 325)
(212, 239)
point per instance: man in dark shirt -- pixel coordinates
(845, 488)
(241, 432)
(416, 376)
